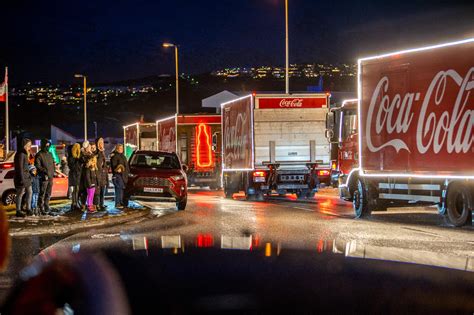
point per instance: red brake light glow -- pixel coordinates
(259, 174)
(323, 173)
(6, 165)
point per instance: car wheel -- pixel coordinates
(9, 198)
(181, 205)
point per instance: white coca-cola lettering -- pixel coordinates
(296, 102)
(452, 129)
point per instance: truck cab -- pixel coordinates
(342, 134)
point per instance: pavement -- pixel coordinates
(325, 223)
(65, 222)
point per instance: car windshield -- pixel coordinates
(155, 160)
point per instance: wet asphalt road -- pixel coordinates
(415, 234)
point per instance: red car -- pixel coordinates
(157, 175)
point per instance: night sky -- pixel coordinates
(112, 40)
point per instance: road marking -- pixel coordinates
(421, 231)
(321, 211)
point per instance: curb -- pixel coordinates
(83, 226)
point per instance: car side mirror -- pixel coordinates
(185, 167)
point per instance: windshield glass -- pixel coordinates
(167, 161)
(349, 124)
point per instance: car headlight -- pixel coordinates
(177, 177)
(132, 175)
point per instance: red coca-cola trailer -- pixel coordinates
(275, 144)
(416, 131)
(197, 141)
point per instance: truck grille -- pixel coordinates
(152, 181)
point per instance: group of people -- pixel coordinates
(87, 170)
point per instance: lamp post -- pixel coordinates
(85, 103)
(287, 74)
(169, 45)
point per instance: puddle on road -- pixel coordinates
(23, 252)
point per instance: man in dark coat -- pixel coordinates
(118, 158)
(44, 163)
(103, 179)
(22, 178)
(75, 170)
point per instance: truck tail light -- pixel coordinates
(323, 173)
(6, 165)
(259, 176)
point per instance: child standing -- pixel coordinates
(35, 185)
(91, 182)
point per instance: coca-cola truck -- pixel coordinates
(415, 132)
(197, 141)
(341, 124)
(139, 136)
(275, 143)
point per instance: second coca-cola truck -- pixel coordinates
(139, 136)
(341, 124)
(275, 143)
(197, 141)
(415, 132)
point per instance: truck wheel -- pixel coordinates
(458, 198)
(181, 205)
(228, 193)
(360, 201)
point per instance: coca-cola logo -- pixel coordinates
(452, 129)
(236, 137)
(295, 102)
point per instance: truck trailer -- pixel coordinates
(414, 140)
(275, 144)
(139, 136)
(197, 141)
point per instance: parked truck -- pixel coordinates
(414, 139)
(139, 136)
(197, 141)
(341, 124)
(275, 143)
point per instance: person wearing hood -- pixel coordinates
(22, 179)
(102, 179)
(118, 158)
(75, 171)
(44, 163)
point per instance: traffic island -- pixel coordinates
(64, 221)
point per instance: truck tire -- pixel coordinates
(459, 212)
(181, 205)
(360, 201)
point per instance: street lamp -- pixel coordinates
(169, 45)
(85, 103)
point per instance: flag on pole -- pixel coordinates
(3, 89)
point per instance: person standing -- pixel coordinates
(22, 179)
(91, 182)
(86, 155)
(63, 166)
(103, 176)
(44, 163)
(117, 157)
(75, 171)
(35, 185)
